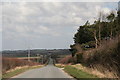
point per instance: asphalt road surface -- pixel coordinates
(49, 71)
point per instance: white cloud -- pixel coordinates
(106, 10)
(43, 20)
(60, 1)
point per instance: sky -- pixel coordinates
(46, 25)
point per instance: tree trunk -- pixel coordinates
(111, 33)
(99, 34)
(96, 41)
(100, 20)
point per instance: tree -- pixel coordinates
(118, 22)
(111, 18)
(100, 19)
(83, 34)
(94, 30)
(96, 40)
(104, 28)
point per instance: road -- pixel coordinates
(49, 71)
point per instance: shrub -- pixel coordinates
(11, 63)
(79, 57)
(67, 60)
(105, 58)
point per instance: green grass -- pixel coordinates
(76, 73)
(18, 71)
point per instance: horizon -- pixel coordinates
(35, 49)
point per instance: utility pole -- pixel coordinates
(42, 59)
(37, 57)
(28, 54)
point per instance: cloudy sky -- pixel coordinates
(49, 25)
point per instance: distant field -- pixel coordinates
(34, 52)
(27, 57)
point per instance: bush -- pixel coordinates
(88, 45)
(79, 57)
(11, 63)
(67, 60)
(105, 58)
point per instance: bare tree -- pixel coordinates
(101, 18)
(111, 18)
(96, 40)
(99, 33)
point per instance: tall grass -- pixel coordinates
(106, 58)
(11, 63)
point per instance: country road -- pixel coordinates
(49, 71)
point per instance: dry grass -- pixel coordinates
(18, 70)
(67, 60)
(60, 65)
(12, 63)
(93, 71)
(105, 59)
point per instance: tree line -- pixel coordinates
(105, 28)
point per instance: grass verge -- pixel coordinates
(76, 73)
(59, 65)
(18, 71)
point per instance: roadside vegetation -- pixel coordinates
(11, 63)
(14, 66)
(97, 47)
(67, 59)
(18, 70)
(60, 65)
(77, 73)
